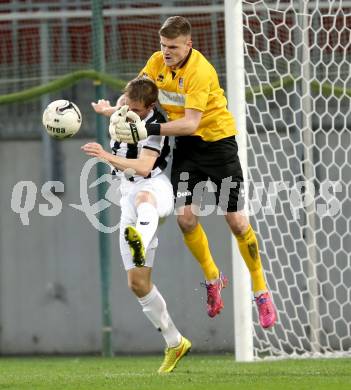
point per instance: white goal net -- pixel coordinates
(297, 75)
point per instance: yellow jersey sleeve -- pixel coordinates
(197, 92)
(150, 68)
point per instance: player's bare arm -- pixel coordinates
(132, 132)
(182, 126)
(104, 107)
(142, 165)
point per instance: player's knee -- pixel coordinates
(144, 196)
(187, 223)
(238, 223)
(139, 286)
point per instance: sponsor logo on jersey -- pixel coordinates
(171, 98)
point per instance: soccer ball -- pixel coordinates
(62, 119)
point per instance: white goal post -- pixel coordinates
(295, 130)
(242, 309)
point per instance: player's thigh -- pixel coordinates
(187, 183)
(161, 190)
(229, 182)
(229, 190)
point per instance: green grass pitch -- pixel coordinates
(193, 372)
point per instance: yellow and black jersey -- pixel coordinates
(194, 85)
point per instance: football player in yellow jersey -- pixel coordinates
(205, 148)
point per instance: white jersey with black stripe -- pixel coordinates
(157, 143)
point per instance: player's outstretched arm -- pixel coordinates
(141, 166)
(187, 125)
(136, 129)
(104, 107)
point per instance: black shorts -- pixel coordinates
(195, 162)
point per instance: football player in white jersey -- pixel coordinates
(146, 196)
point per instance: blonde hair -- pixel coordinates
(174, 27)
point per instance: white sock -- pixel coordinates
(147, 222)
(155, 309)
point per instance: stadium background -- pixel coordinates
(49, 284)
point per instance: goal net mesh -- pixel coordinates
(297, 71)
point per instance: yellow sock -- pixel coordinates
(248, 247)
(197, 243)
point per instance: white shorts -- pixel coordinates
(160, 187)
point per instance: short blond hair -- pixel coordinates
(174, 27)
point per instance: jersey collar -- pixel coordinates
(184, 62)
(149, 115)
(186, 59)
